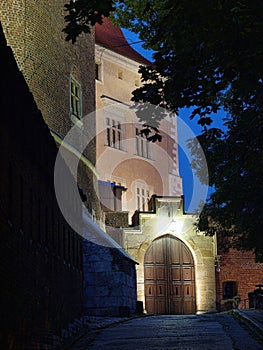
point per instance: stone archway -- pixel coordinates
(169, 277)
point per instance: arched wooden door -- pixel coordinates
(169, 277)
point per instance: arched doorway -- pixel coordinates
(169, 277)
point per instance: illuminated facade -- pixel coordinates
(124, 156)
(176, 272)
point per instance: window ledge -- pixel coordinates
(143, 157)
(117, 149)
(77, 121)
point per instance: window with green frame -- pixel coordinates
(75, 99)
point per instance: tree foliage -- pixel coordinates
(82, 14)
(208, 55)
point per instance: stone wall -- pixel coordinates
(109, 275)
(40, 255)
(158, 223)
(110, 288)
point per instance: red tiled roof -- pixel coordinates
(111, 37)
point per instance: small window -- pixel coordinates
(120, 74)
(229, 289)
(143, 197)
(114, 134)
(98, 71)
(75, 99)
(142, 145)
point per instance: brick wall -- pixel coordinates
(33, 29)
(40, 256)
(239, 267)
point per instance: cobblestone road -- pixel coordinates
(193, 332)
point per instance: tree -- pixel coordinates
(82, 14)
(235, 169)
(208, 55)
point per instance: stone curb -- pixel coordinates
(250, 322)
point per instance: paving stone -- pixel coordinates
(188, 332)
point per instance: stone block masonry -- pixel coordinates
(110, 282)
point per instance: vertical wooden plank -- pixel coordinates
(169, 277)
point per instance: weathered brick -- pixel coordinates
(33, 29)
(41, 292)
(239, 267)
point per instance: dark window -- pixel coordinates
(120, 74)
(98, 71)
(75, 102)
(114, 134)
(229, 289)
(142, 145)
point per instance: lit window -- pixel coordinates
(114, 134)
(75, 99)
(142, 145)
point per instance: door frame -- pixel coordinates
(168, 271)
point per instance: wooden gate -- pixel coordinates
(169, 277)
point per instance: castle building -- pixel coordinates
(176, 273)
(124, 157)
(51, 275)
(180, 270)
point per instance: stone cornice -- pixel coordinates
(102, 53)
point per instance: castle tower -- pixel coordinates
(124, 156)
